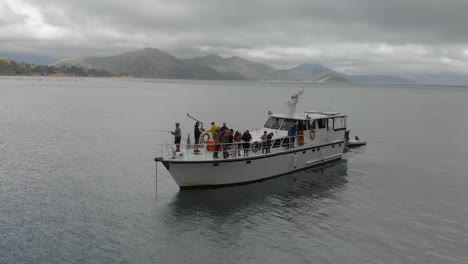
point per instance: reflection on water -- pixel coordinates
(314, 183)
(286, 208)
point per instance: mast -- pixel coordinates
(291, 105)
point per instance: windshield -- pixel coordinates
(287, 124)
(277, 123)
(269, 122)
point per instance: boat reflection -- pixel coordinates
(291, 190)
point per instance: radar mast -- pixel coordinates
(291, 105)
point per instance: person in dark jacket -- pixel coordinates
(196, 134)
(237, 139)
(226, 140)
(224, 127)
(246, 137)
(264, 139)
(231, 135)
(269, 137)
(217, 141)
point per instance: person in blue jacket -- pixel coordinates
(292, 136)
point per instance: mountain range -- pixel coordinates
(155, 63)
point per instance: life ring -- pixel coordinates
(203, 137)
(210, 145)
(312, 134)
(255, 146)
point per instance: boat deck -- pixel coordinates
(187, 152)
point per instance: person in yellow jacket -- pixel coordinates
(212, 129)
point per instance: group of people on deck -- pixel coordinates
(226, 138)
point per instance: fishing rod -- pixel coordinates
(157, 130)
(170, 145)
(196, 120)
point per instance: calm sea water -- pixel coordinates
(78, 184)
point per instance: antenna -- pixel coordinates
(331, 103)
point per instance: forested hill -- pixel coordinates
(11, 68)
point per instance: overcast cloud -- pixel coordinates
(351, 36)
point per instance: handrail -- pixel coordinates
(233, 148)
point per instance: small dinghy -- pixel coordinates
(356, 143)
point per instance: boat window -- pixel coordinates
(321, 123)
(301, 125)
(269, 122)
(287, 124)
(312, 124)
(307, 124)
(338, 123)
(277, 123)
(330, 123)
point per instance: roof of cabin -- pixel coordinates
(309, 115)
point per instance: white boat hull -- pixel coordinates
(221, 172)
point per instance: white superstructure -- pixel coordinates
(320, 137)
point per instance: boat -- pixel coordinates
(319, 138)
(356, 143)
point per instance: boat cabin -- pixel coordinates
(317, 126)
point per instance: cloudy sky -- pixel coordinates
(351, 36)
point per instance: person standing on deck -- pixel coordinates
(212, 129)
(226, 140)
(269, 141)
(264, 138)
(292, 135)
(178, 136)
(246, 137)
(196, 134)
(237, 139)
(224, 127)
(217, 141)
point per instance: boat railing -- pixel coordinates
(208, 150)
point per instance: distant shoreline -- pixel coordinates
(10, 67)
(69, 76)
